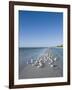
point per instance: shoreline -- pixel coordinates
(47, 70)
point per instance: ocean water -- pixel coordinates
(26, 54)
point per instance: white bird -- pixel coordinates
(55, 59)
(36, 63)
(31, 60)
(51, 65)
(27, 62)
(39, 65)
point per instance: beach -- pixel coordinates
(49, 64)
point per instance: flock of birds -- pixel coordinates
(40, 61)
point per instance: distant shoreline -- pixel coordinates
(40, 47)
(59, 47)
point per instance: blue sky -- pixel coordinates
(40, 29)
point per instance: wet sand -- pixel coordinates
(46, 71)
